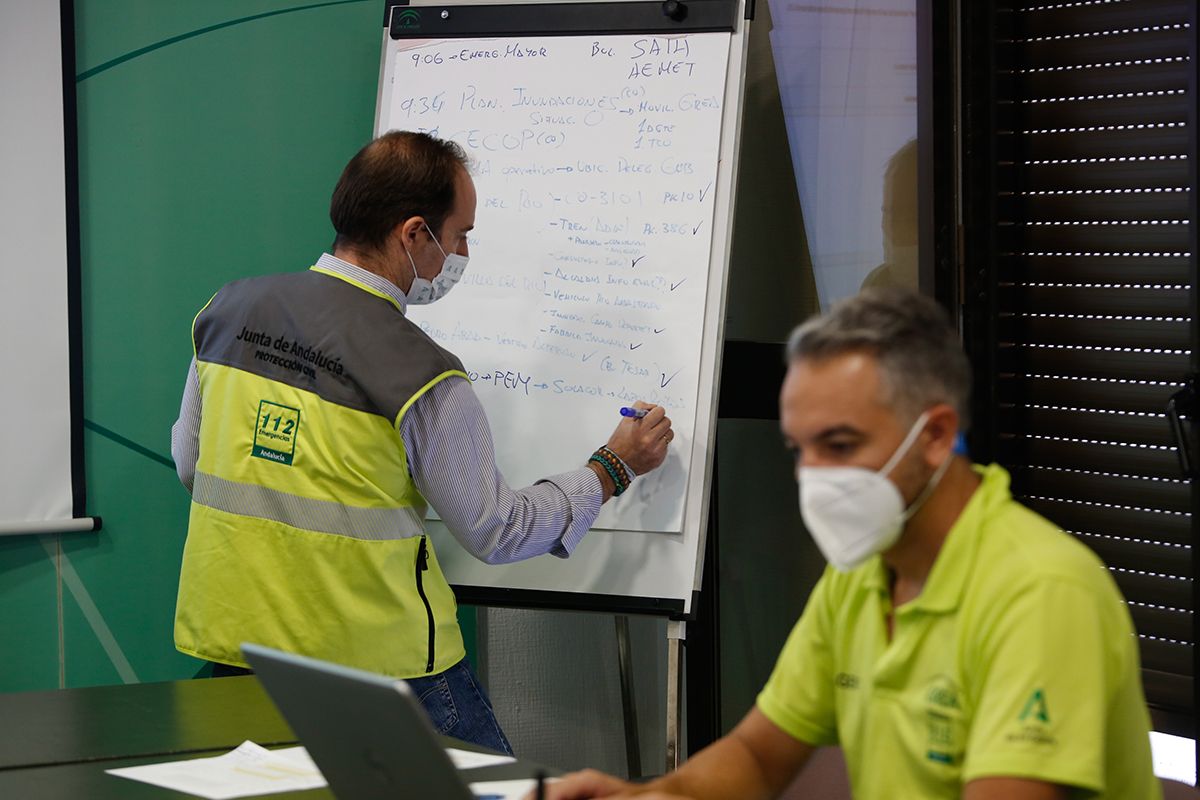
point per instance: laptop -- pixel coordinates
(367, 733)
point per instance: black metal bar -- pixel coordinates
(633, 749)
(500, 597)
(979, 187)
(74, 267)
(1180, 408)
(703, 663)
(751, 374)
(557, 19)
(937, 220)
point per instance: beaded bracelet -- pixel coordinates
(619, 488)
(615, 467)
(617, 463)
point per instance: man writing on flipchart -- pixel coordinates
(317, 422)
(958, 645)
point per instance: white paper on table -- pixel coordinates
(245, 771)
(465, 759)
(503, 790)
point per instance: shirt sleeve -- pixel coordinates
(452, 458)
(185, 433)
(1041, 700)
(798, 696)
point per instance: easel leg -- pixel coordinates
(676, 634)
(633, 749)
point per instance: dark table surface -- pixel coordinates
(104, 722)
(88, 781)
(59, 744)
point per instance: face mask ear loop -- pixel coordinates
(412, 264)
(441, 249)
(902, 450)
(928, 490)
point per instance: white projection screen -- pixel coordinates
(41, 463)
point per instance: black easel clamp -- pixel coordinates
(674, 9)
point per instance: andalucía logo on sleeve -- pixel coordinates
(275, 432)
(1033, 722)
(1035, 707)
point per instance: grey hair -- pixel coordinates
(911, 337)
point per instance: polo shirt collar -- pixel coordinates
(376, 284)
(954, 564)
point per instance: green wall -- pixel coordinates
(210, 137)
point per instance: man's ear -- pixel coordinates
(941, 430)
(408, 229)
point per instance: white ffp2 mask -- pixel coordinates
(854, 513)
(424, 291)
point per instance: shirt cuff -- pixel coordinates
(584, 495)
(1088, 777)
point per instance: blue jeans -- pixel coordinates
(459, 707)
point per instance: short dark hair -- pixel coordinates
(919, 352)
(401, 174)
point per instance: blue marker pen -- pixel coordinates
(636, 413)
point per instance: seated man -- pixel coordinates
(958, 645)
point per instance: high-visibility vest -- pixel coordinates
(306, 531)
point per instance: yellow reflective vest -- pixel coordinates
(306, 531)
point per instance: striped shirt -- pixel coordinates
(452, 459)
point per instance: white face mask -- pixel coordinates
(854, 513)
(424, 291)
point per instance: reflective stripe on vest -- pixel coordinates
(306, 513)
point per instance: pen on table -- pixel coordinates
(541, 785)
(636, 413)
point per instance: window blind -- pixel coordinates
(1081, 308)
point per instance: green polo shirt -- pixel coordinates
(1017, 659)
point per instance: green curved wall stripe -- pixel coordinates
(129, 443)
(200, 32)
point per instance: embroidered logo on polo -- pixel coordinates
(275, 432)
(1035, 707)
(943, 721)
(1033, 722)
(844, 680)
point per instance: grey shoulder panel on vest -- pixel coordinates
(324, 335)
